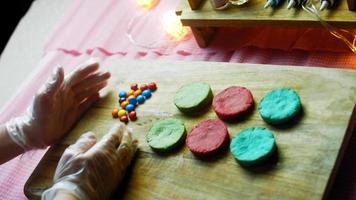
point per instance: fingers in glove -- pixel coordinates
(90, 91)
(87, 103)
(46, 93)
(53, 83)
(71, 154)
(91, 80)
(126, 151)
(83, 144)
(82, 71)
(109, 142)
(113, 138)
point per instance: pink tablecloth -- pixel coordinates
(98, 28)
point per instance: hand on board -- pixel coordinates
(90, 170)
(58, 104)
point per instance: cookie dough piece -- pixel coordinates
(279, 105)
(166, 134)
(193, 97)
(207, 137)
(253, 146)
(232, 102)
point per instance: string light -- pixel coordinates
(173, 26)
(147, 4)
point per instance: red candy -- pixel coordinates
(143, 87)
(132, 115)
(152, 86)
(124, 119)
(134, 86)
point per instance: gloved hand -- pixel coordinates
(57, 106)
(92, 171)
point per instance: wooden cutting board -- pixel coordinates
(308, 150)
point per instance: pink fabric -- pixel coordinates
(98, 28)
(103, 25)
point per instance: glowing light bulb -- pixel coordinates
(147, 4)
(173, 26)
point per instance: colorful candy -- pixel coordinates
(137, 92)
(132, 115)
(124, 104)
(122, 94)
(147, 94)
(140, 99)
(130, 92)
(152, 86)
(131, 96)
(132, 100)
(130, 107)
(121, 100)
(134, 86)
(115, 113)
(122, 113)
(129, 100)
(143, 87)
(124, 119)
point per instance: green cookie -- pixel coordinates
(166, 134)
(193, 97)
(253, 146)
(279, 106)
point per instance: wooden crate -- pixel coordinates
(204, 20)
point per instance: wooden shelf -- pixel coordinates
(253, 14)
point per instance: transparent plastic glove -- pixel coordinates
(92, 171)
(57, 106)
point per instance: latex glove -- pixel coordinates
(92, 171)
(58, 104)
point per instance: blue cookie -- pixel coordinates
(279, 106)
(253, 146)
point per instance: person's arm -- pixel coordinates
(8, 148)
(55, 108)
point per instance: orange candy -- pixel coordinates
(115, 113)
(123, 105)
(130, 96)
(130, 92)
(137, 92)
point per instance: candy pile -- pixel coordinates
(130, 100)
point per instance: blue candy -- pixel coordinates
(140, 99)
(147, 94)
(122, 94)
(130, 107)
(132, 101)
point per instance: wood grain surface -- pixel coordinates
(253, 14)
(307, 149)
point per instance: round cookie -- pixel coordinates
(279, 105)
(193, 97)
(253, 146)
(232, 102)
(166, 134)
(207, 137)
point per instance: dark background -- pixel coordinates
(11, 13)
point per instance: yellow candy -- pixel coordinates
(122, 113)
(137, 92)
